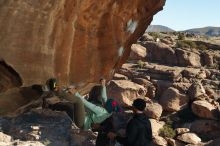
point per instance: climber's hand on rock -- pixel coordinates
(103, 82)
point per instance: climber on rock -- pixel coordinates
(95, 113)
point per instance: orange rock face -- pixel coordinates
(77, 41)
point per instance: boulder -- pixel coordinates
(173, 142)
(211, 85)
(191, 73)
(159, 141)
(154, 110)
(207, 59)
(146, 37)
(172, 100)
(24, 143)
(24, 95)
(188, 58)
(120, 77)
(160, 52)
(182, 87)
(181, 130)
(82, 138)
(167, 41)
(5, 138)
(211, 93)
(151, 90)
(75, 41)
(74, 29)
(46, 127)
(126, 72)
(125, 91)
(196, 90)
(156, 126)
(163, 72)
(207, 129)
(189, 138)
(162, 86)
(9, 77)
(203, 109)
(138, 52)
(142, 82)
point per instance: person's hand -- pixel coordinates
(77, 94)
(111, 135)
(103, 82)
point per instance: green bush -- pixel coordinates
(155, 35)
(202, 47)
(215, 66)
(181, 36)
(167, 130)
(140, 64)
(191, 44)
(186, 44)
(46, 142)
(181, 44)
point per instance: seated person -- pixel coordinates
(138, 131)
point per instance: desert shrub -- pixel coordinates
(140, 64)
(181, 44)
(190, 35)
(215, 66)
(191, 44)
(202, 47)
(181, 36)
(186, 44)
(46, 142)
(215, 77)
(167, 130)
(206, 37)
(175, 33)
(155, 35)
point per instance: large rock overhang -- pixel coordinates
(76, 41)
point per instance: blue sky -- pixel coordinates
(186, 14)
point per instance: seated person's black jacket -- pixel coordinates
(105, 127)
(138, 132)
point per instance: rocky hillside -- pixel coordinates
(159, 28)
(180, 79)
(209, 31)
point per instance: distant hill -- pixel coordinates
(210, 31)
(159, 28)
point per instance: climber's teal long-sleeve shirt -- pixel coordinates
(96, 113)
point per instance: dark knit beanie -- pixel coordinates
(139, 104)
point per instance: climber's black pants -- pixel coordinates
(74, 108)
